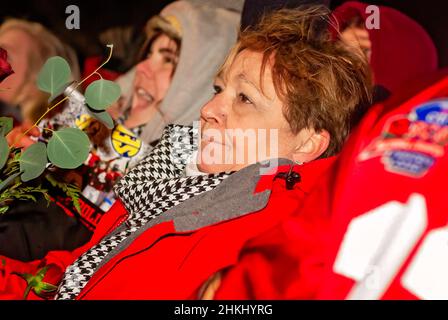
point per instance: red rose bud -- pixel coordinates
(53, 275)
(44, 283)
(399, 127)
(5, 67)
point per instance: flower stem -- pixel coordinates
(111, 47)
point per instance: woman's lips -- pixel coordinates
(217, 139)
(210, 138)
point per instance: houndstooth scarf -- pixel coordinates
(153, 187)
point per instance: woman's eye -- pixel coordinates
(168, 60)
(217, 89)
(244, 99)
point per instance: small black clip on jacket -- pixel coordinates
(290, 177)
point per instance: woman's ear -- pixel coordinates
(312, 146)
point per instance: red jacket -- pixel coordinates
(375, 226)
(164, 264)
(403, 222)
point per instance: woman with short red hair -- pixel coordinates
(186, 210)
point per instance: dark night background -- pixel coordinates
(98, 15)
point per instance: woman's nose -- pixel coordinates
(214, 111)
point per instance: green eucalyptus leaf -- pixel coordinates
(101, 94)
(102, 116)
(68, 148)
(59, 91)
(6, 125)
(4, 151)
(54, 75)
(5, 183)
(33, 161)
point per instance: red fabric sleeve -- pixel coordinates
(286, 262)
(12, 286)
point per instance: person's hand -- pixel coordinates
(16, 138)
(116, 110)
(73, 177)
(357, 38)
(210, 287)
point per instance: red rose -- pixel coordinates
(45, 282)
(5, 67)
(399, 127)
(54, 274)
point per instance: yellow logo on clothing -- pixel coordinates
(83, 121)
(125, 142)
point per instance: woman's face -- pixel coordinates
(244, 122)
(153, 78)
(19, 46)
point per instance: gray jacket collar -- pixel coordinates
(234, 197)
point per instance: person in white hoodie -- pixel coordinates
(184, 48)
(186, 44)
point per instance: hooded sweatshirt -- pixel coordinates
(209, 30)
(401, 48)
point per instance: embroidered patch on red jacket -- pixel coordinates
(411, 143)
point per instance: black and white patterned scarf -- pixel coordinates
(155, 185)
